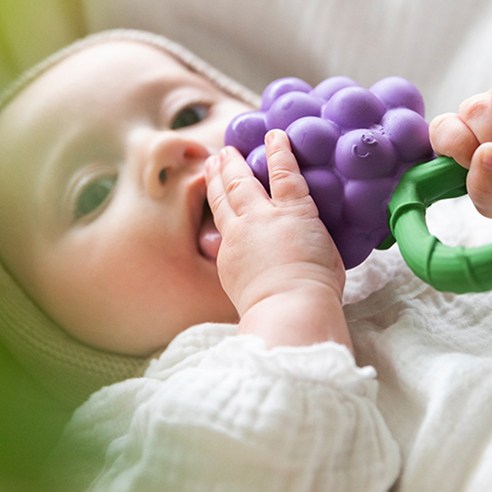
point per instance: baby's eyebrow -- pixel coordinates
(156, 84)
(163, 81)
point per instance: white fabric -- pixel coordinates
(443, 46)
(218, 412)
(433, 355)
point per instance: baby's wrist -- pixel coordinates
(312, 290)
(311, 281)
(305, 315)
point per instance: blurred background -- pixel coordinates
(443, 46)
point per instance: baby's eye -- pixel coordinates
(93, 195)
(190, 115)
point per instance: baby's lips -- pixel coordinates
(209, 238)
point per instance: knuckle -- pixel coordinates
(288, 183)
(280, 174)
(441, 119)
(233, 184)
(439, 130)
(215, 203)
(450, 135)
(477, 107)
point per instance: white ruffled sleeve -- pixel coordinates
(220, 412)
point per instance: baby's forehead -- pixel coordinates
(122, 49)
(92, 69)
(127, 56)
(103, 54)
(135, 41)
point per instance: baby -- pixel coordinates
(112, 234)
(134, 238)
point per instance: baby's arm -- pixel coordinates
(277, 262)
(467, 137)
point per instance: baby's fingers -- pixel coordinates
(231, 186)
(459, 135)
(476, 112)
(479, 179)
(216, 195)
(242, 189)
(286, 181)
(451, 136)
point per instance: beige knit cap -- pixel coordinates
(67, 368)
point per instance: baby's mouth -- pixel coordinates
(209, 237)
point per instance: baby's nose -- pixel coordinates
(169, 156)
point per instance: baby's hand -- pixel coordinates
(466, 136)
(277, 262)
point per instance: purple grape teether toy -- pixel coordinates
(352, 144)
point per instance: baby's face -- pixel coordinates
(104, 196)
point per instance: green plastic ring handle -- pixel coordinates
(447, 268)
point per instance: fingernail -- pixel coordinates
(270, 137)
(211, 161)
(225, 153)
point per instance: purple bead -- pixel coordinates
(246, 131)
(282, 86)
(354, 107)
(365, 154)
(354, 245)
(327, 192)
(258, 163)
(290, 107)
(330, 86)
(366, 202)
(409, 133)
(398, 92)
(313, 140)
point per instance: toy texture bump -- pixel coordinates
(352, 144)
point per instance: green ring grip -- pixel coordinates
(447, 268)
